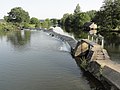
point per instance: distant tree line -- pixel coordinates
(107, 18)
(74, 22)
(19, 18)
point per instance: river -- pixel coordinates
(112, 45)
(33, 60)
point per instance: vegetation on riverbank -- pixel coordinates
(18, 19)
(5, 26)
(107, 18)
(73, 23)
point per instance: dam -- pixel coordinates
(94, 59)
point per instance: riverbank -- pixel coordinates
(103, 70)
(5, 26)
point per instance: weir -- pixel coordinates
(94, 59)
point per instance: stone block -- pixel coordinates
(111, 76)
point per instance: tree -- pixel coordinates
(108, 18)
(116, 12)
(75, 20)
(46, 23)
(37, 25)
(77, 9)
(6, 18)
(64, 18)
(34, 20)
(91, 13)
(26, 25)
(80, 19)
(69, 21)
(54, 22)
(18, 15)
(73, 23)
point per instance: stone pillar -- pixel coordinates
(102, 42)
(96, 40)
(92, 38)
(88, 37)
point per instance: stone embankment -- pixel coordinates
(94, 59)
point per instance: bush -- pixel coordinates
(37, 25)
(26, 25)
(7, 27)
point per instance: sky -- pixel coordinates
(43, 9)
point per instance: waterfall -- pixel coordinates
(65, 47)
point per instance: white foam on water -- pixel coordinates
(60, 31)
(65, 47)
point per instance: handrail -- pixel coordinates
(97, 39)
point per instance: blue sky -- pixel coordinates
(48, 8)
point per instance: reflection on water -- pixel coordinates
(112, 44)
(65, 47)
(77, 33)
(40, 65)
(19, 38)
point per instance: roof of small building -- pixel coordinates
(90, 24)
(93, 25)
(87, 24)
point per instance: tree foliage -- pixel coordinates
(108, 18)
(37, 25)
(34, 20)
(80, 19)
(46, 23)
(17, 15)
(91, 13)
(77, 9)
(63, 19)
(54, 22)
(75, 20)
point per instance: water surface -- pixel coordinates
(32, 60)
(112, 45)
